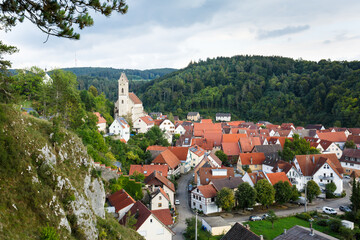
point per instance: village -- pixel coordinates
(209, 155)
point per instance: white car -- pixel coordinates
(177, 202)
(329, 210)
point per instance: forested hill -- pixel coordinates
(275, 89)
(105, 79)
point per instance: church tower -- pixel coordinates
(123, 99)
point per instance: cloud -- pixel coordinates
(341, 38)
(281, 32)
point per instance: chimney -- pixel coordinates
(312, 232)
(247, 227)
(313, 159)
(251, 160)
(229, 177)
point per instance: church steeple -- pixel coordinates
(123, 99)
(123, 85)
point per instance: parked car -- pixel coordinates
(300, 201)
(344, 208)
(255, 218)
(265, 216)
(177, 202)
(249, 209)
(329, 210)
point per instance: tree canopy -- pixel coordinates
(225, 199)
(265, 192)
(283, 192)
(245, 196)
(312, 190)
(298, 146)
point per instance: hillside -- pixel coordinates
(275, 89)
(48, 183)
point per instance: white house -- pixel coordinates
(160, 200)
(339, 138)
(203, 199)
(143, 124)
(156, 180)
(167, 126)
(274, 165)
(179, 129)
(223, 117)
(147, 224)
(120, 127)
(196, 154)
(350, 161)
(122, 202)
(330, 147)
(322, 168)
(101, 122)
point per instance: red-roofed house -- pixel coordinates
(233, 138)
(203, 199)
(155, 150)
(206, 121)
(253, 161)
(207, 144)
(322, 168)
(160, 200)
(121, 128)
(148, 169)
(232, 150)
(122, 202)
(143, 124)
(248, 143)
(164, 216)
(206, 174)
(183, 154)
(253, 178)
(168, 158)
(276, 177)
(101, 122)
(338, 138)
(147, 224)
(196, 154)
(155, 180)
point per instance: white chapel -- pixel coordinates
(127, 103)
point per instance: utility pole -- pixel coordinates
(305, 197)
(195, 224)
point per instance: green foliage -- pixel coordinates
(283, 192)
(57, 18)
(272, 217)
(138, 177)
(303, 216)
(49, 233)
(350, 144)
(335, 225)
(330, 188)
(223, 157)
(265, 192)
(295, 194)
(313, 190)
(256, 87)
(245, 196)
(299, 146)
(130, 220)
(202, 234)
(322, 222)
(133, 188)
(225, 199)
(355, 196)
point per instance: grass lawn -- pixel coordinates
(265, 228)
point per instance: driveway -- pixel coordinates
(183, 209)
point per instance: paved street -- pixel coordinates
(185, 212)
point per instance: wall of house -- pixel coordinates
(171, 194)
(246, 178)
(123, 211)
(159, 202)
(203, 204)
(152, 229)
(137, 111)
(168, 126)
(194, 159)
(101, 127)
(223, 119)
(350, 167)
(267, 168)
(327, 171)
(333, 148)
(180, 130)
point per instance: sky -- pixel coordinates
(169, 33)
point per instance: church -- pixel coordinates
(128, 104)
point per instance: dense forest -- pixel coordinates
(105, 79)
(254, 88)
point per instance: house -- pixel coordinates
(337, 129)
(354, 131)
(338, 138)
(184, 141)
(179, 129)
(215, 225)
(322, 168)
(276, 177)
(193, 116)
(156, 180)
(350, 161)
(101, 122)
(355, 139)
(276, 140)
(215, 137)
(196, 154)
(203, 199)
(253, 161)
(147, 224)
(275, 165)
(160, 200)
(300, 232)
(232, 150)
(121, 128)
(122, 202)
(149, 169)
(166, 125)
(128, 104)
(284, 133)
(315, 126)
(143, 124)
(168, 158)
(210, 160)
(164, 215)
(270, 151)
(183, 154)
(201, 128)
(231, 182)
(248, 143)
(253, 178)
(207, 174)
(240, 232)
(155, 150)
(207, 144)
(287, 126)
(223, 117)
(329, 147)
(233, 138)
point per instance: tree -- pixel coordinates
(93, 91)
(245, 195)
(298, 146)
(222, 156)
(130, 220)
(272, 217)
(5, 81)
(282, 192)
(350, 144)
(295, 194)
(312, 190)
(225, 199)
(265, 192)
(355, 196)
(57, 18)
(330, 188)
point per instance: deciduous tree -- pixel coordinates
(282, 192)
(312, 190)
(265, 192)
(245, 196)
(225, 199)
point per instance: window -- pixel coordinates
(150, 220)
(331, 174)
(159, 197)
(122, 101)
(122, 90)
(200, 206)
(159, 205)
(193, 203)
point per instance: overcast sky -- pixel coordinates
(169, 33)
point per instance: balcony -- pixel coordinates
(293, 181)
(326, 177)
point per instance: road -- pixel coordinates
(185, 211)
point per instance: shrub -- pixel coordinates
(335, 225)
(49, 233)
(343, 194)
(303, 216)
(313, 213)
(322, 222)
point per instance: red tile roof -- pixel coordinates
(310, 163)
(201, 128)
(206, 121)
(354, 131)
(180, 152)
(256, 176)
(207, 174)
(235, 123)
(277, 177)
(140, 212)
(208, 191)
(247, 144)
(148, 169)
(354, 138)
(231, 148)
(164, 193)
(148, 120)
(100, 118)
(252, 158)
(157, 179)
(120, 200)
(167, 157)
(214, 136)
(156, 148)
(232, 138)
(333, 136)
(287, 126)
(164, 216)
(134, 98)
(207, 144)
